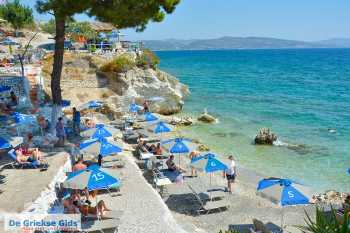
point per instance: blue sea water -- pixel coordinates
(300, 94)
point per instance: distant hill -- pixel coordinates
(228, 42)
(336, 42)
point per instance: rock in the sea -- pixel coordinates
(203, 147)
(206, 118)
(186, 121)
(330, 197)
(265, 137)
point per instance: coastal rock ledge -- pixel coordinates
(163, 91)
(83, 80)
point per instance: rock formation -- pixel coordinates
(330, 197)
(206, 118)
(265, 137)
(186, 121)
(83, 81)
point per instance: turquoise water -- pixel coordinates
(299, 94)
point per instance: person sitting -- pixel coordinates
(171, 164)
(152, 149)
(98, 210)
(145, 107)
(144, 147)
(89, 123)
(44, 124)
(13, 99)
(25, 156)
(70, 207)
(158, 150)
(79, 165)
(4, 109)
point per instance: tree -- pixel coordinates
(49, 27)
(122, 13)
(17, 14)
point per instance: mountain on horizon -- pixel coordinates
(228, 42)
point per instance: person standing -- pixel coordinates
(76, 121)
(231, 173)
(60, 132)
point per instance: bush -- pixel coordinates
(119, 65)
(147, 59)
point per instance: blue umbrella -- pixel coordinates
(4, 144)
(160, 127)
(92, 178)
(177, 145)
(65, 103)
(208, 163)
(149, 117)
(349, 170)
(4, 88)
(23, 118)
(93, 104)
(290, 195)
(134, 108)
(100, 146)
(101, 131)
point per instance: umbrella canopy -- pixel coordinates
(93, 104)
(4, 144)
(349, 170)
(4, 88)
(92, 178)
(148, 117)
(23, 118)
(135, 108)
(65, 103)
(101, 131)
(160, 127)
(100, 146)
(289, 194)
(208, 163)
(178, 145)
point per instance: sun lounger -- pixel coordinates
(211, 194)
(107, 225)
(208, 205)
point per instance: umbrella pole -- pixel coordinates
(210, 185)
(282, 219)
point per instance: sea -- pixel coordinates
(302, 95)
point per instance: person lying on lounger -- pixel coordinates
(87, 207)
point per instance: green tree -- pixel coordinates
(49, 26)
(82, 29)
(16, 14)
(122, 13)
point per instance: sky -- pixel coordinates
(308, 20)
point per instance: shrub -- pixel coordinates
(326, 222)
(119, 65)
(147, 59)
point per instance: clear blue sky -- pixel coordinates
(294, 19)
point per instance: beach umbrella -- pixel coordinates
(65, 103)
(93, 104)
(92, 178)
(4, 144)
(288, 193)
(4, 88)
(148, 117)
(208, 163)
(160, 127)
(100, 131)
(22, 120)
(134, 108)
(349, 170)
(178, 146)
(100, 146)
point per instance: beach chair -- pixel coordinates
(211, 194)
(208, 205)
(95, 224)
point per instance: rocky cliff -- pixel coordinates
(82, 80)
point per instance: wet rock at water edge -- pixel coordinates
(207, 118)
(265, 137)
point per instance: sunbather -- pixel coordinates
(89, 123)
(13, 99)
(152, 149)
(79, 165)
(87, 208)
(172, 166)
(70, 207)
(158, 150)
(44, 124)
